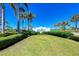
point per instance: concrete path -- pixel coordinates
(76, 33)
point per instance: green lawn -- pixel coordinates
(45, 45)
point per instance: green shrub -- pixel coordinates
(6, 34)
(59, 33)
(9, 40)
(29, 33)
(76, 38)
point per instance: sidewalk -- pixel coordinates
(76, 33)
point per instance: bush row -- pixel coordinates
(23, 32)
(63, 34)
(76, 38)
(6, 34)
(59, 33)
(29, 33)
(9, 40)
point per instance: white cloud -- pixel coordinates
(41, 29)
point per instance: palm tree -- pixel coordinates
(24, 21)
(57, 25)
(75, 19)
(30, 16)
(13, 5)
(21, 10)
(0, 23)
(62, 25)
(18, 10)
(3, 17)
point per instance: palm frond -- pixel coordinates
(21, 9)
(14, 7)
(75, 18)
(26, 5)
(25, 15)
(31, 15)
(2, 5)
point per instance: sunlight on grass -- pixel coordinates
(45, 45)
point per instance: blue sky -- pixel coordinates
(47, 14)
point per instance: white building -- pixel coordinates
(41, 29)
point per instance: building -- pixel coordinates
(41, 29)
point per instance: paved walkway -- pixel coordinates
(76, 33)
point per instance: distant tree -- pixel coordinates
(75, 19)
(57, 25)
(62, 25)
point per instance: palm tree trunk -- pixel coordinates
(28, 24)
(24, 24)
(18, 23)
(76, 25)
(3, 20)
(18, 26)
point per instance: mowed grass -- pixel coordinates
(43, 45)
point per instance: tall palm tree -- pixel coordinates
(15, 6)
(75, 19)
(24, 21)
(0, 21)
(17, 12)
(3, 17)
(30, 16)
(21, 12)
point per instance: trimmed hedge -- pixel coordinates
(59, 33)
(63, 34)
(9, 40)
(76, 38)
(29, 33)
(6, 34)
